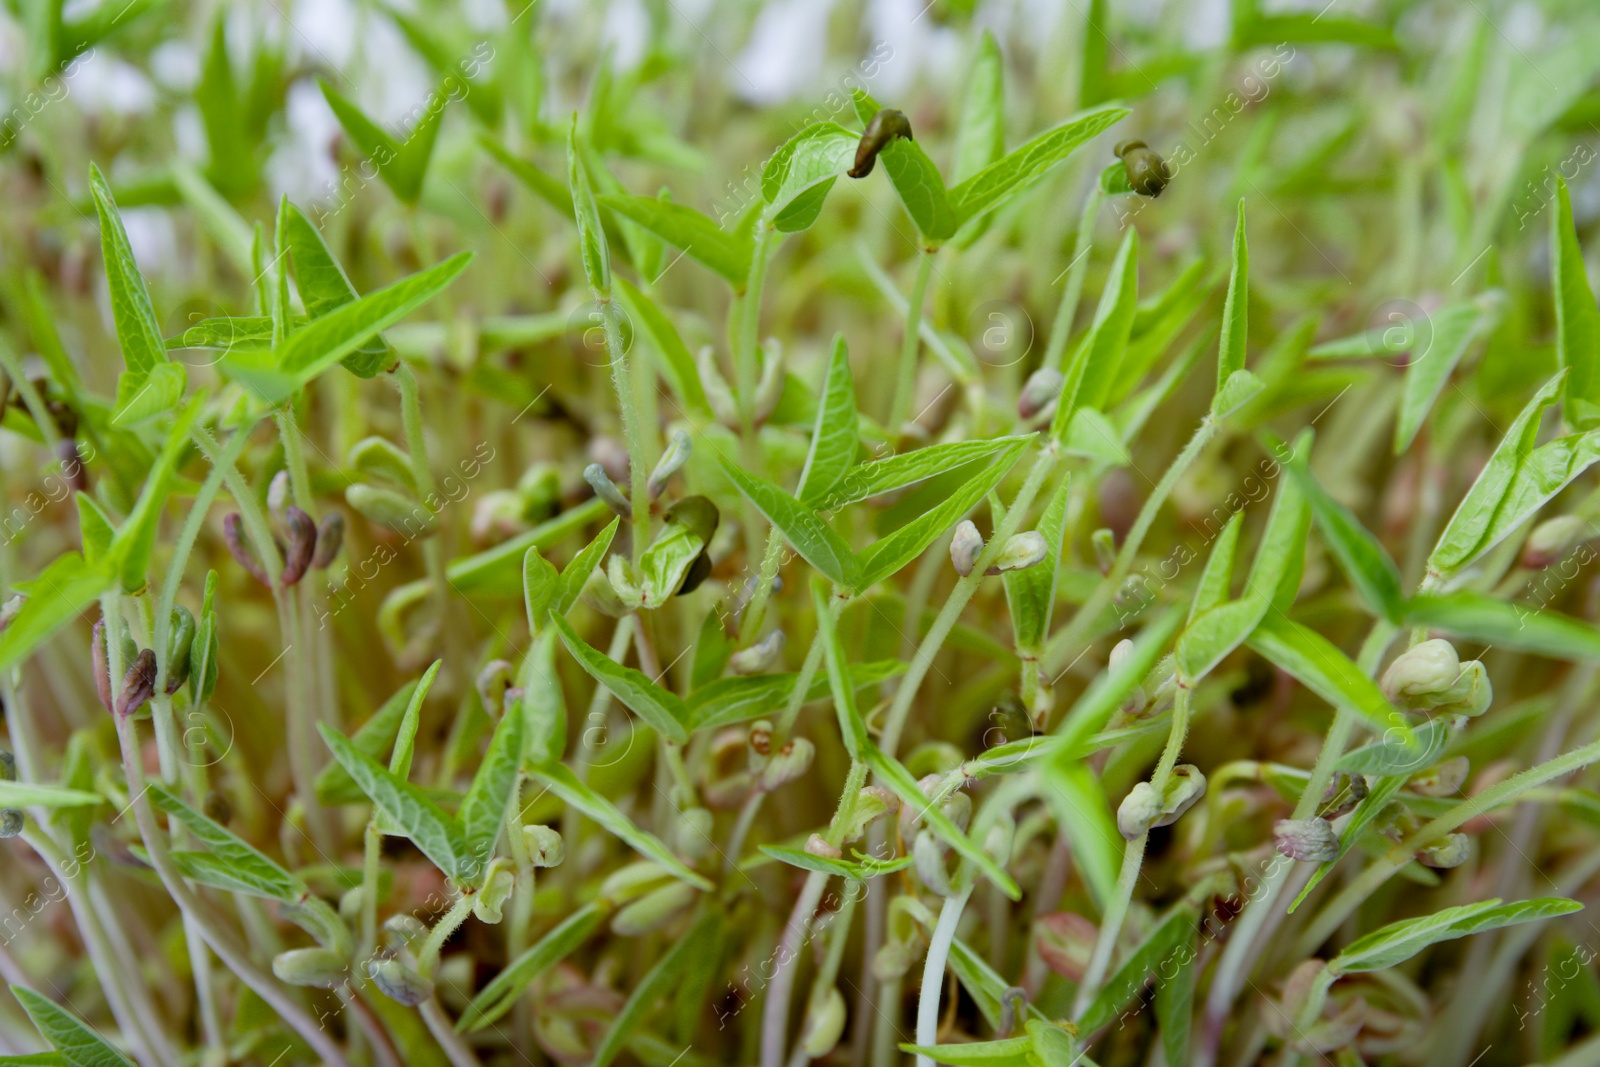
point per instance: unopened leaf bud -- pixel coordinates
(1311, 840)
(1138, 810)
(278, 494)
(787, 764)
(1420, 678)
(100, 662)
(607, 490)
(1040, 394)
(330, 538)
(817, 845)
(233, 537)
(386, 507)
(302, 544)
(965, 547)
(138, 685)
(1020, 552)
(872, 804)
(671, 461)
(492, 682)
(1451, 852)
(1442, 779)
(1137, 700)
(1066, 943)
(928, 856)
(760, 656)
(498, 882)
(824, 1024)
(399, 982)
(1105, 549)
(545, 846)
(1552, 539)
(180, 652)
(653, 910)
(320, 968)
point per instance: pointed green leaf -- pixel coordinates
(1506, 624)
(483, 809)
(727, 701)
(683, 227)
(544, 705)
(565, 785)
(34, 795)
(676, 362)
(591, 235)
(141, 397)
(539, 581)
(1077, 802)
(981, 131)
(664, 711)
(250, 868)
(997, 183)
(1217, 578)
(501, 994)
(852, 728)
(94, 527)
(1007, 1052)
(657, 983)
(1398, 942)
(409, 809)
(1386, 757)
(799, 174)
(324, 287)
(137, 329)
(1443, 339)
(62, 590)
(553, 191)
(1235, 310)
(1240, 388)
(833, 436)
(813, 538)
(576, 573)
(1318, 665)
(1577, 316)
(1175, 1004)
(1106, 693)
(329, 339)
(78, 1044)
(867, 480)
(375, 737)
(862, 870)
(1172, 938)
(1361, 556)
(405, 738)
(1100, 356)
(1089, 433)
(887, 555)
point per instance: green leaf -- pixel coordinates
(501, 994)
(813, 538)
(134, 543)
(727, 701)
(654, 986)
(539, 581)
(1114, 180)
(591, 235)
(664, 565)
(1313, 29)
(683, 227)
(676, 362)
(409, 809)
(70, 1036)
(405, 738)
(62, 590)
(1175, 1005)
(401, 164)
(1470, 532)
(341, 332)
(834, 439)
(1000, 181)
(544, 705)
(1318, 665)
(1095, 366)
(664, 711)
(920, 188)
(797, 177)
(1031, 592)
(565, 785)
(483, 810)
(981, 130)
(334, 784)
(904, 786)
(497, 571)
(576, 573)
(1078, 803)
(34, 795)
(94, 527)
(141, 397)
(867, 480)
(1577, 316)
(1361, 556)
(1235, 310)
(852, 728)
(553, 191)
(1240, 388)
(884, 557)
(1106, 693)
(1385, 758)
(1506, 624)
(862, 870)
(1007, 1052)
(137, 329)
(1173, 936)
(324, 287)
(1444, 339)
(1089, 433)
(1217, 578)
(1398, 942)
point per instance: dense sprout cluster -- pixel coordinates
(595, 534)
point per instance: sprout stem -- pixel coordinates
(906, 380)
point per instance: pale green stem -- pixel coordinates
(933, 965)
(263, 984)
(756, 610)
(808, 671)
(960, 596)
(906, 380)
(1073, 634)
(454, 1045)
(422, 475)
(371, 875)
(632, 432)
(1067, 310)
(745, 368)
(428, 956)
(1132, 859)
